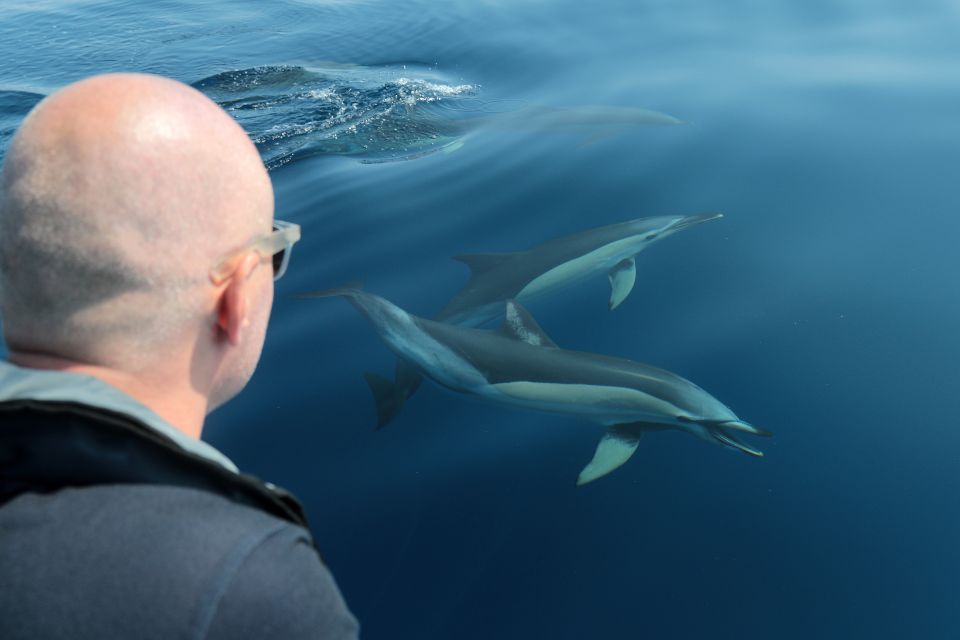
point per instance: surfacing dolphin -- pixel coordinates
(519, 365)
(539, 271)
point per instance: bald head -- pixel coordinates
(118, 194)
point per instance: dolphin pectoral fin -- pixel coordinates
(615, 447)
(622, 277)
(388, 397)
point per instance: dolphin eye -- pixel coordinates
(650, 236)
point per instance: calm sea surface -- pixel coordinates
(824, 307)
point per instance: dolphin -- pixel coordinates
(552, 265)
(519, 365)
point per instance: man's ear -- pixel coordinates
(234, 306)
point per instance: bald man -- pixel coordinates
(138, 252)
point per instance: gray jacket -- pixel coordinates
(115, 525)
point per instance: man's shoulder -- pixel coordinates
(159, 557)
(168, 534)
(139, 513)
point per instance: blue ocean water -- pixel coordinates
(823, 307)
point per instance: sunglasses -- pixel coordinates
(276, 246)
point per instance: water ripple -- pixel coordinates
(375, 114)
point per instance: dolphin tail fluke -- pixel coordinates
(388, 397)
(347, 289)
(615, 447)
(622, 277)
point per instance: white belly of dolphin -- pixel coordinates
(597, 261)
(598, 403)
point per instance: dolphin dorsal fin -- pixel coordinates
(480, 262)
(518, 324)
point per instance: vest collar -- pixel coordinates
(60, 430)
(20, 383)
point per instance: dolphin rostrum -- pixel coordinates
(543, 269)
(519, 365)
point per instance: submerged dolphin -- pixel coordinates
(547, 267)
(519, 365)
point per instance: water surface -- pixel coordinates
(823, 307)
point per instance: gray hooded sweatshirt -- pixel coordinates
(113, 524)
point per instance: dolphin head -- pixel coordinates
(650, 230)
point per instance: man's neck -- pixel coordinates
(182, 407)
